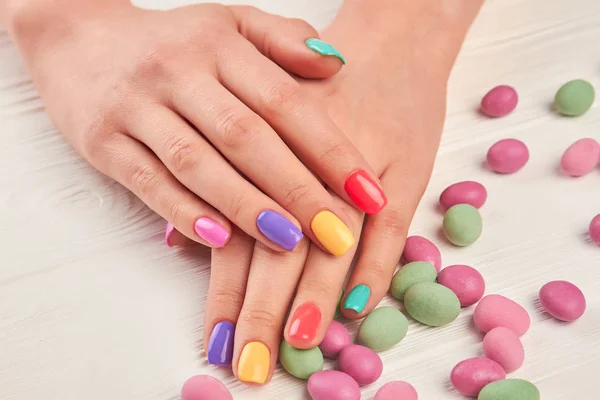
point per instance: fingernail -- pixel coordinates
(357, 298)
(220, 345)
(173, 237)
(168, 232)
(211, 231)
(333, 234)
(254, 363)
(279, 230)
(305, 323)
(324, 48)
(367, 194)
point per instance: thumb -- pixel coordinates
(292, 43)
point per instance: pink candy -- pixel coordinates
(332, 385)
(495, 310)
(467, 192)
(336, 338)
(397, 390)
(466, 282)
(581, 157)
(204, 387)
(507, 156)
(595, 229)
(563, 300)
(499, 101)
(503, 346)
(361, 363)
(417, 248)
(470, 376)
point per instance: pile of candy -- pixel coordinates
(434, 296)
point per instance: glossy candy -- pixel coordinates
(300, 363)
(204, 387)
(495, 310)
(581, 157)
(507, 156)
(504, 346)
(417, 248)
(382, 328)
(472, 375)
(466, 282)
(462, 224)
(509, 389)
(409, 274)
(361, 363)
(563, 300)
(466, 192)
(396, 390)
(431, 304)
(594, 229)
(574, 98)
(336, 338)
(332, 385)
(499, 101)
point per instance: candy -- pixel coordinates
(336, 338)
(594, 229)
(382, 328)
(361, 363)
(204, 387)
(408, 275)
(504, 346)
(466, 282)
(495, 310)
(462, 224)
(332, 385)
(417, 248)
(396, 390)
(300, 363)
(509, 389)
(499, 101)
(563, 300)
(466, 192)
(581, 157)
(431, 304)
(507, 156)
(472, 375)
(574, 98)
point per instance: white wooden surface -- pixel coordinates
(94, 306)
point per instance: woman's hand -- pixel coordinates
(181, 106)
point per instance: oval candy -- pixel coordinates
(471, 375)
(409, 274)
(563, 300)
(332, 385)
(382, 328)
(431, 304)
(361, 363)
(495, 310)
(594, 229)
(581, 157)
(204, 387)
(466, 282)
(300, 363)
(504, 346)
(466, 192)
(397, 390)
(499, 101)
(509, 389)
(574, 98)
(462, 224)
(418, 248)
(507, 156)
(336, 338)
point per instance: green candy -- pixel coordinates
(431, 304)
(509, 389)
(574, 98)
(382, 328)
(462, 224)
(411, 273)
(300, 363)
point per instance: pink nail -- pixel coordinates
(211, 231)
(168, 233)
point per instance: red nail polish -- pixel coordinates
(305, 323)
(367, 194)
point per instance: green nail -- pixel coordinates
(324, 48)
(357, 299)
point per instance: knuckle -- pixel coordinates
(391, 222)
(230, 297)
(280, 98)
(237, 130)
(295, 195)
(177, 212)
(155, 62)
(144, 180)
(333, 153)
(261, 317)
(319, 288)
(237, 205)
(181, 154)
(377, 268)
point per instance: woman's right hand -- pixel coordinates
(181, 106)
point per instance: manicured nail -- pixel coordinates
(279, 230)
(367, 194)
(254, 363)
(305, 323)
(333, 234)
(168, 232)
(220, 345)
(173, 237)
(324, 48)
(357, 298)
(211, 231)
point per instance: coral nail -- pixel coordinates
(365, 192)
(305, 323)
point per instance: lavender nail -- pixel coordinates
(220, 345)
(279, 230)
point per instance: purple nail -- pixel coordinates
(220, 345)
(279, 230)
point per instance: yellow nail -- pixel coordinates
(333, 234)
(254, 363)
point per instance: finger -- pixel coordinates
(292, 43)
(198, 166)
(270, 287)
(228, 274)
(303, 123)
(383, 240)
(260, 154)
(174, 238)
(135, 167)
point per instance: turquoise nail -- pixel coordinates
(357, 299)
(324, 48)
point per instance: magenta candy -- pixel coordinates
(361, 363)
(595, 229)
(470, 376)
(499, 101)
(204, 387)
(507, 156)
(495, 310)
(466, 192)
(563, 300)
(417, 248)
(466, 282)
(332, 385)
(336, 338)
(397, 390)
(581, 157)
(504, 346)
